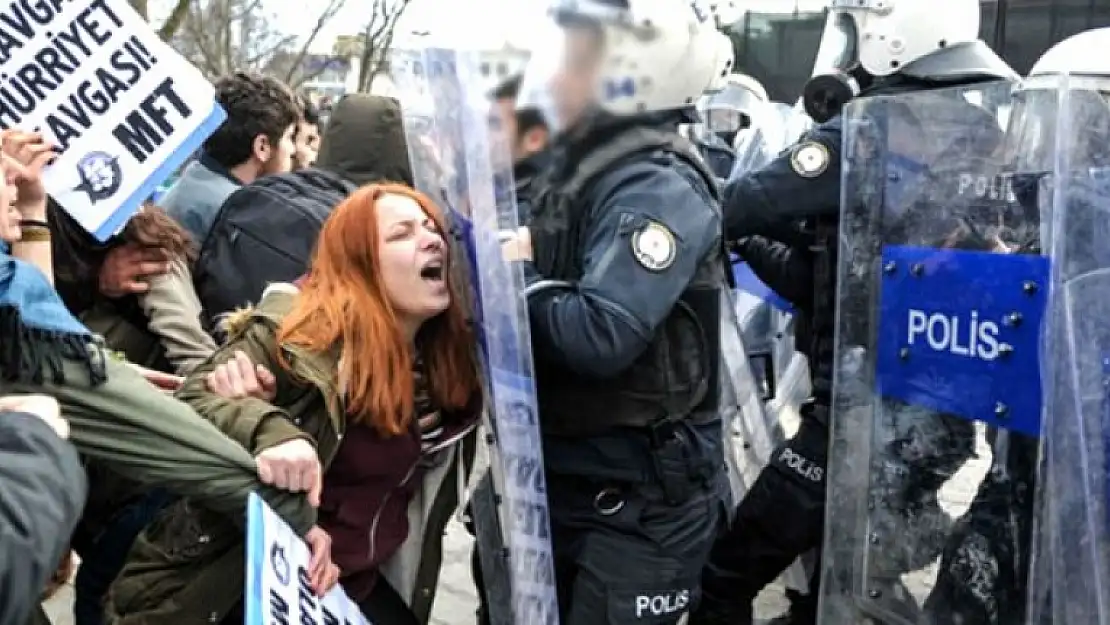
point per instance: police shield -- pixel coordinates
(462, 161)
(937, 395)
(1076, 483)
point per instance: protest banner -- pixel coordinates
(124, 109)
(278, 591)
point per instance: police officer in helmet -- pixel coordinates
(785, 218)
(626, 271)
(726, 110)
(733, 107)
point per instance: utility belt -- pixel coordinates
(674, 461)
(574, 412)
(659, 462)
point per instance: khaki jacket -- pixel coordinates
(188, 566)
(173, 339)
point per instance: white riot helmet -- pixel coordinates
(1032, 133)
(732, 105)
(867, 39)
(887, 35)
(623, 57)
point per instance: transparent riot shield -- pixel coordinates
(461, 160)
(937, 397)
(780, 372)
(1077, 362)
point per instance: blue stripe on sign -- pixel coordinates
(131, 205)
(256, 559)
(747, 281)
(514, 380)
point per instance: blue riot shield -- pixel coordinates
(461, 160)
(1074, 197)
(937, 397)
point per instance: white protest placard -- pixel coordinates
(278, 591)
(123, 107)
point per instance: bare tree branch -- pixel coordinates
(261, 56)
(329, 13)
(377, 38)
(221, 36)
(200, 42)
(175, 20)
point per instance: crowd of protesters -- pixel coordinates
(144, 397)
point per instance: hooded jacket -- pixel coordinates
(364, 141)
(266, 231)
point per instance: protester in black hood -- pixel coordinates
(265, 231)
(365, 141)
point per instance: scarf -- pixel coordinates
(37, 331)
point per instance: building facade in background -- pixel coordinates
(336, 74)
(778, 47)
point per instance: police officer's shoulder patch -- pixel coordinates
(654, 246)
(809, 159)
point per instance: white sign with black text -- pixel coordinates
(278, 590)
(124, 109)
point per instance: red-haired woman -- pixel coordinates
(376, 389)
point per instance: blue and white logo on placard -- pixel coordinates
(100, 174)
(280, 563)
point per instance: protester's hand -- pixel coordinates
(516, 245)
(42, 406)
(164, 381)
(127, 268)
(239, 378)
(322, 572)
(292, 466)
(29, 154)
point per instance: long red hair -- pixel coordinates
(342, 304)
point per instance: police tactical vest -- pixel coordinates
(676, 376)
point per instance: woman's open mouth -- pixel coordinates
(432, 271)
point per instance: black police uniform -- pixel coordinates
(785, 218)
(719, 156)
(525, 173)
(626, 352)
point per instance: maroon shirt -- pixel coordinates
(367, 490)
(364, 507)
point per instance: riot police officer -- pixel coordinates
(726, 110)
(626, 268)
(786, 217)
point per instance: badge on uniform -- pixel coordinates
(809, 159)
(654, 247)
